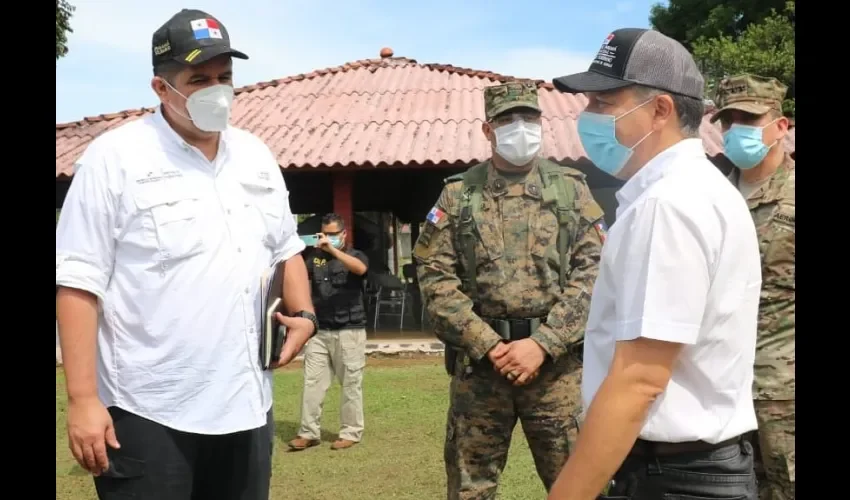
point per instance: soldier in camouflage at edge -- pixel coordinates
(531, 234)
(750, 112)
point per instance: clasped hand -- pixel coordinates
(518, 361)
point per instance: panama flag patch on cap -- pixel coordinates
(206, 28)
(435, 216)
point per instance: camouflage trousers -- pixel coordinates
(776, 454)
(484, 409)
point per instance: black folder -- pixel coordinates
(273, 332)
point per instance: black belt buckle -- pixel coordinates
(520, 328)
(514, 329)
(501, 327)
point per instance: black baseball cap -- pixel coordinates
(191, 37)
(637, 56)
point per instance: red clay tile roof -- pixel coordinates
(372, 112)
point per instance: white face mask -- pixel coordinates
(209, 108)
(518, 142)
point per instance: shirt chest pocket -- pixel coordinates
(171, 222)
(544, 238)
(338, 276)
(262, 211)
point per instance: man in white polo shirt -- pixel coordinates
(670, 341)
(163, 237)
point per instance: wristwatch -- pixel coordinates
(311, 317)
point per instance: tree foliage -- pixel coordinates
(64, 11)
(728, 37)
(766, 48)
(689, 20)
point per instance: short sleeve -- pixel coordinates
(361, 257)
(663, 274)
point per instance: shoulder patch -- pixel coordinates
(602, 230)
(435, 216)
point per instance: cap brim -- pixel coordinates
(589, 81)
(514, 105)
(204, 54)
(747, 107)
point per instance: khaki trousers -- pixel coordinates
(340, 353)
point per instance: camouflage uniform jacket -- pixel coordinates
(517, 264)
(773, 208)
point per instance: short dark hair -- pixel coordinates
(333, 218)
(168, 70)
(690, 111)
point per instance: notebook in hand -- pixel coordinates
(273, 333)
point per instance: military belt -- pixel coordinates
(511, 329)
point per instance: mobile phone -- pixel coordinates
(310, 240)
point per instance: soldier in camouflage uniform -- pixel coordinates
(750, 112)
(506, 264)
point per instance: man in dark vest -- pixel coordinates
(339, 349)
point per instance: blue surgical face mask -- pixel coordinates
(336, 241)
(744, 146)
(598, 136)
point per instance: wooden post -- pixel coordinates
(394, 223)
(343, 192)
(414, 234)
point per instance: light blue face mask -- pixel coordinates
(599, 139)
(336, 241)
(744, 146)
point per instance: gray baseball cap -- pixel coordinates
(636, 56)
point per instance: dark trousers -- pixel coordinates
(159, 463)
(725, 473)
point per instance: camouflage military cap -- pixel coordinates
(749, 93)
(500, 98)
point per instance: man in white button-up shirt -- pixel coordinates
(670, 341)
(165, 232)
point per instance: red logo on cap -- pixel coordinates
(608, 39)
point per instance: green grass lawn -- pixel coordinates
(401, 456)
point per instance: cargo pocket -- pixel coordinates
(173, 217)
(261, 209)
(544, 238)
(544, 246)
(790, 464)
(122, 478)
(353, 345)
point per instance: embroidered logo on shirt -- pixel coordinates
(435, 216)
(159, 176)
(263, 176)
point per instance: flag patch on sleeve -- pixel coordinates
(435, 216)
(601, 230)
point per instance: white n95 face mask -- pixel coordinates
(518, 142)
(209, 108)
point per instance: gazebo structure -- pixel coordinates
(376, 135)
